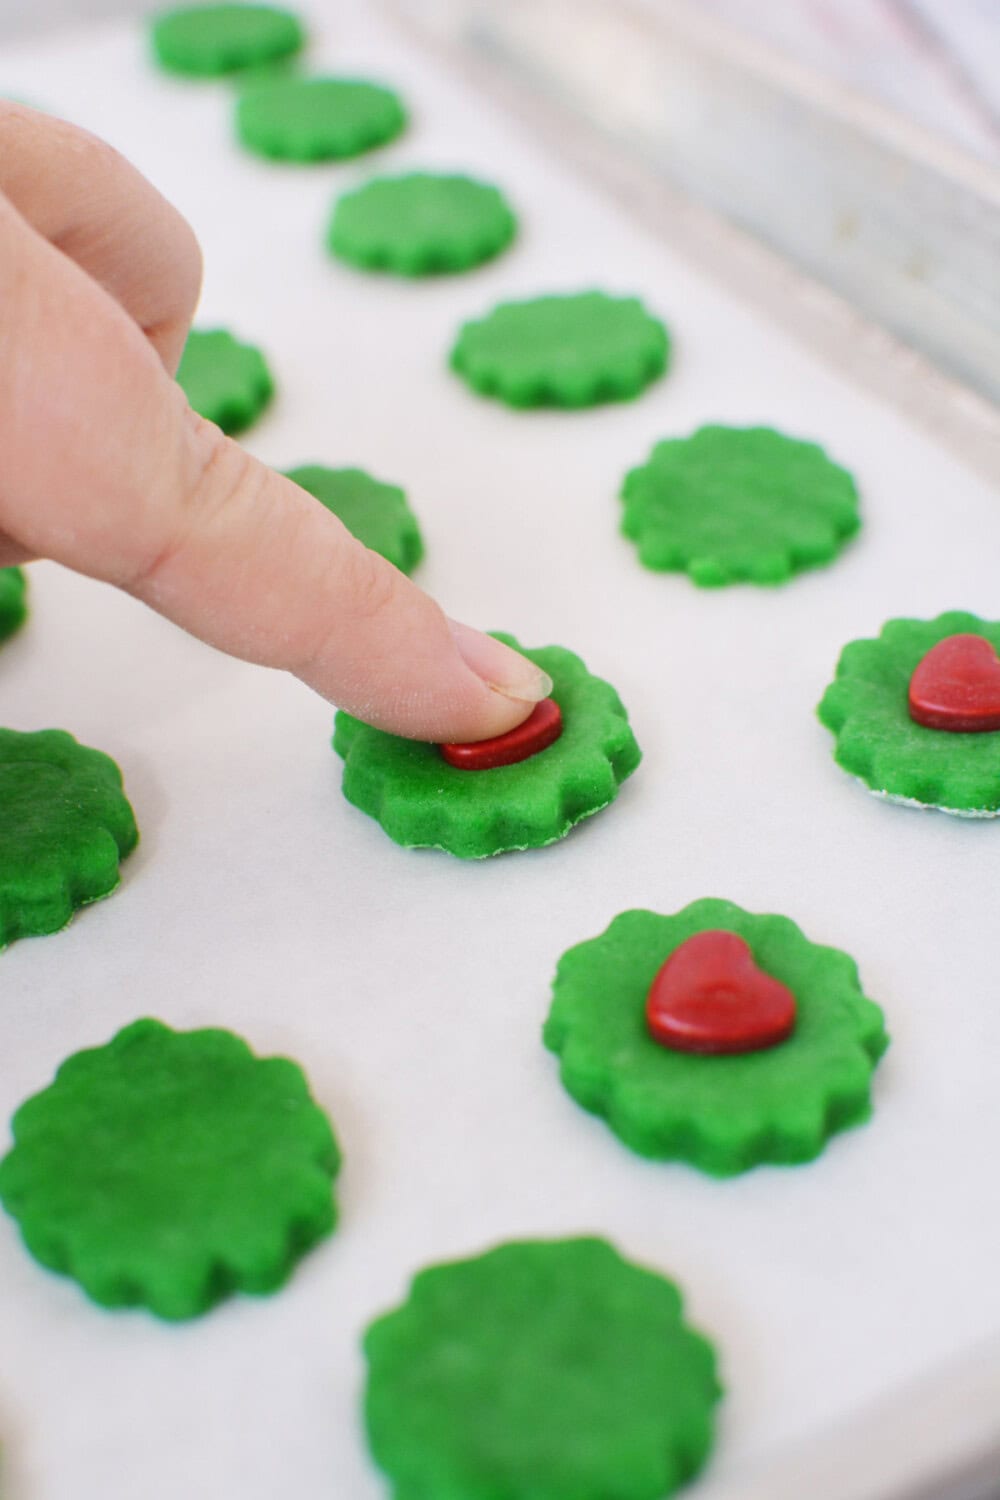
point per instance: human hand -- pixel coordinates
(107, 470)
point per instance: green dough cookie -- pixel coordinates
(168, 1169)
(318, 119)
(421, 801)
(224, 381)
(572, 351)
(13, 609)
(867, 708)
(738, 505)
(420, 224)
(204, 41)
(723, 1114)
(377, 514)
(542, 1370)
(64, 827)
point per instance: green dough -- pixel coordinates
(723, 1114)
(168, 1169)
(421, 225)
(64, 827)
(268, 72)
(576, 350)
(867, 707)
(738, 505)
(204, 41)
(13, 609)
(421, 801)
(377, 514)
(224, 381)
(318, 119)
(542, 1370)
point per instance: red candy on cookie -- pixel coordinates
(711, 997)
(541, 728)
(957, 686)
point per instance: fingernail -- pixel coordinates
(504, 670)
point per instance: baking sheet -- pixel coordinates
(413, 986)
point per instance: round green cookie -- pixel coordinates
(224, 381)
(542, 1370)
(577, 350)
(204, 41)
(168, 1169)
(318, 119)
(422, 801)
(867, 708)
(421, 224)
(64, 827)
(738, 505)
(13, 608)
(377, 514)
(723, 1114)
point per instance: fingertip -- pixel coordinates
(505, 671)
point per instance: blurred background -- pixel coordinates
(936, 60)
(836, 161)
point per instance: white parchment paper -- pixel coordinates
(413, 986)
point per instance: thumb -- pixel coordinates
(167, 508)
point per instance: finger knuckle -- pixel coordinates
(370, 583)
(218, 472)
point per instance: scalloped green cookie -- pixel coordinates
(421, 224)
(540, 1370)
(205, 41)
(318, 119)
(738, 505)
(168, 1169)
(13, 606)
(572, 351)
(224, 381)
(376, 513)
(421, 801)
(64, 826)
(723, 1114)
(866, 707)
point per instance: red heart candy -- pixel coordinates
(541, 728)
(957, 686)
(711, 997)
